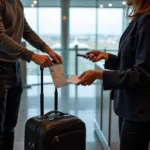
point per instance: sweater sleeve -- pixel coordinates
(8, 45)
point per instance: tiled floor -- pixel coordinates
(81, 104)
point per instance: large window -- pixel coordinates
(50, 26)
(82, 27)
(32, 68)
(31, 17)
(110, 28)
(85, 24)
(46, 22)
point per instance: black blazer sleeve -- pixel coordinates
(139, 74)
(111, 62)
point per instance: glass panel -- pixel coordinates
(110, 28)
(82, 27)
(46, 22)
(31, 17)
(84, 64)
(50, 26)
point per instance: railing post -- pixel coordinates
(109, 125)
(101, 108)
(76, 72)
(76, 60)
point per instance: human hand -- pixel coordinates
(96, 55)
(88, 77)
(42, 60)
(53, 55)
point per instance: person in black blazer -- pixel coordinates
(129, 77)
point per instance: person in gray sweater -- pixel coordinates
(14, 27)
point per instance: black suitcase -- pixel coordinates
(55, 130)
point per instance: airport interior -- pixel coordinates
(70, 27)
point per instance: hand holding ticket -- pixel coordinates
(74, 79)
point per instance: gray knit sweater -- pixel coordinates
(13, 26)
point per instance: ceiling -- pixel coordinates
(75, 3)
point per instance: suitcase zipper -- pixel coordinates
(57, 138)
(62, 139)
(31, 145)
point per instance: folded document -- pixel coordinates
(74, 79)
(58, 75)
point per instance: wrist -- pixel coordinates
(106, 56)
(33, 56)
(99, 74)
(47, 49)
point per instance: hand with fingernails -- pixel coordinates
(88, 77)
(44, 60)
(96, 55)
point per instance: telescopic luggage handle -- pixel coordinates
(42, 95)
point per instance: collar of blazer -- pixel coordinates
(126, 34)
(128, 31)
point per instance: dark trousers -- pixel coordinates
(10, 95)
(134, 135)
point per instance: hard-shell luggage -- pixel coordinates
(55, 130)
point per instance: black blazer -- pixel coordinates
(129, 73)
